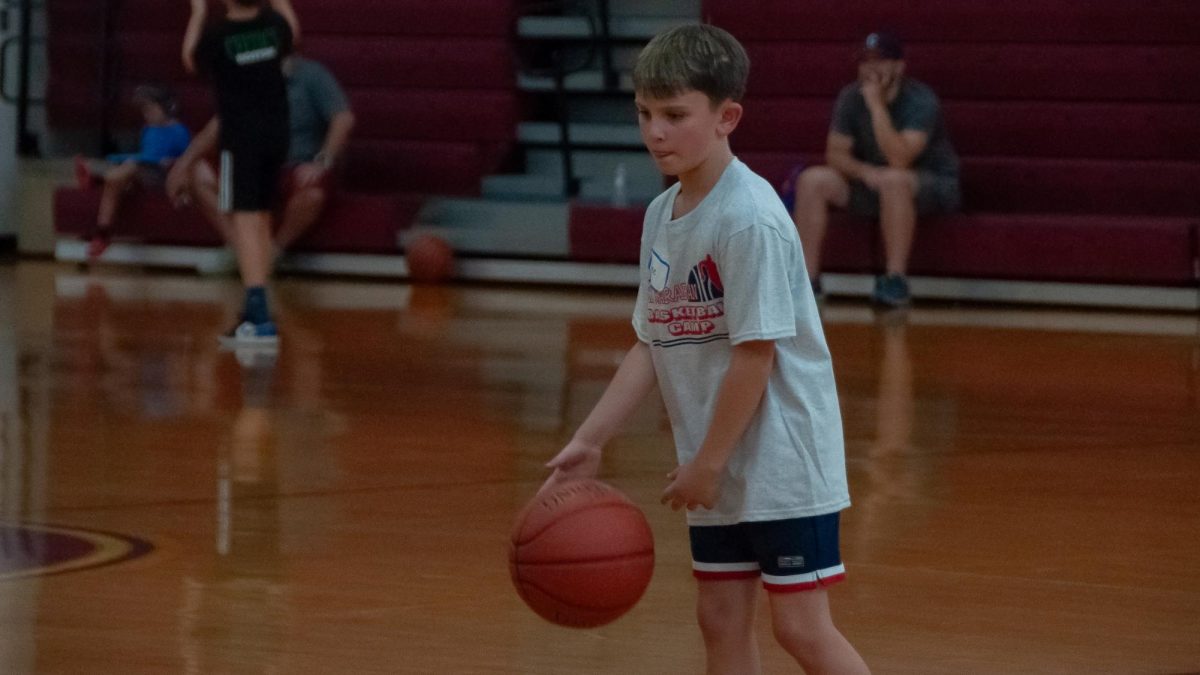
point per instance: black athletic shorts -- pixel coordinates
(935, 195)
(250, 176)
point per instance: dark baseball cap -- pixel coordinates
(882, 45)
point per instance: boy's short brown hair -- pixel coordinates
(693, 57)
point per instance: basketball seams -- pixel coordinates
(571, 549)
(521, 538)
(602, 614)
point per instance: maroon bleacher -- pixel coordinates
(1078, 123)
(433, 89)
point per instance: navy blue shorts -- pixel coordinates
(798, 554)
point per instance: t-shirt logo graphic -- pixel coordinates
(705, 281)
(253, 47)
(660, 271)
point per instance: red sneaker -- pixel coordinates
(98, 244)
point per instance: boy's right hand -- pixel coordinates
(575, 461)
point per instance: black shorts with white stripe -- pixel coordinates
(250, 177)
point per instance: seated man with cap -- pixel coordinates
(888, 157)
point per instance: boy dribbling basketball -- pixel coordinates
(727, 326)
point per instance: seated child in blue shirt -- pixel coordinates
(164, 138)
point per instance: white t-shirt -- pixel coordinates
(729, 271)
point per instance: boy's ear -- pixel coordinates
(730, 115)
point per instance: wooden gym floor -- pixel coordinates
(1026, 483)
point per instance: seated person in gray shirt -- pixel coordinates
(321, 122)
(888, 157)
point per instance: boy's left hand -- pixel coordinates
(692, 486)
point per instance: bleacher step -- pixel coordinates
(579, 28)
(583, 82)
(497, 228)
(582, 133)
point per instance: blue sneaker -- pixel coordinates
(251, 335)
(892, 291)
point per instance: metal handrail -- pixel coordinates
(611, 80)
(5, 47)
(558, 69)
(26, 142)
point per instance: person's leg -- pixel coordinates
(204, 193)
(898, 217)
(803, 625)
(116, 181)
(817, 189)
(87, 172)
(252, 232)
(799, 558)
(254, 328)
(303, 209)
(898, 189)
(728, 575)
(725, 609)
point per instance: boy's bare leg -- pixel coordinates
(898, 217)
(726, 611)
(253, 246)
(116, 181)
(817, 189)
(804, 627)
(204, 189)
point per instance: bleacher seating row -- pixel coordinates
(432, 87)
(1078, 126)
(1078, 122)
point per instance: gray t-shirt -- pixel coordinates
(916, 108)
(729, 271)
(315, 97)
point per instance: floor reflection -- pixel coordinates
(241, 596)
(346, 506)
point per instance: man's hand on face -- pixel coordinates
(873, 89)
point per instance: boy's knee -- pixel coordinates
(716, 626)
(719, 619)
(799, 640)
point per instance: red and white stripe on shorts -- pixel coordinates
(718, 571)
(775, 583)
(804, 582)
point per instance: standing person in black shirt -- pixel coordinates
(243, 54)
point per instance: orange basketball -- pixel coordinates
(582, 554)
(430, 259)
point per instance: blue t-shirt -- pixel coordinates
(158, 143)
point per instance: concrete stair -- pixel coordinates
(526, 215)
